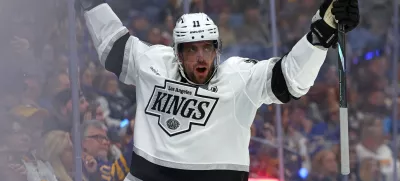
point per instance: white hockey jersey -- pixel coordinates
(186, 127)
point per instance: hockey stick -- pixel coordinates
(344, 130)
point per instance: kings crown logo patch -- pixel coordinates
(173, 124)
(179, 106)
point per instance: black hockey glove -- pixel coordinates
(324, 22)
(87, 5)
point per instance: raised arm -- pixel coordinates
(280, 79)
(117, 50)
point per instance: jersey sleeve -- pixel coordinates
(117, 50)
(278, 80)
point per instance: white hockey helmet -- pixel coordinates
(192, 28)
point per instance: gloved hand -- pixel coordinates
(324, 22)
(87, 5)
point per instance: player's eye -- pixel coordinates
(208, 48)
(192, 49)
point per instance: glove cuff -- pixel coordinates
(322, 34)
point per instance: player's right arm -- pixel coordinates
(117, 50)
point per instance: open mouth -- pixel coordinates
(201, 69)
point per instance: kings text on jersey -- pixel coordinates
(179, 106)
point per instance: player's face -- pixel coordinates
(197, 59)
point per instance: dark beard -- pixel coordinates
(192, 76)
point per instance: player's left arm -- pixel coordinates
(291, 76)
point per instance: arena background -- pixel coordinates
(52, 87)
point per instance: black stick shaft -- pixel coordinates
(342, 68)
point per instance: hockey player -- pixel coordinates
(194, 114)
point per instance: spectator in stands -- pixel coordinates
(47, 58)
(375, 103)
(196, 6)
(139, 26)
(308, 5)
(378, 25)
(297, 142)
(331, 101)
(312, 109)
(330, 75)
(216, 6)
(86, 80)
(55, 83)
(16, 144)
(239, 6)
(125, 142)
(373, 33)
(265, 163)
(254, 30)
(96, 112)
(354, 165)
(14, 172)
(173, 8)
(288, 38)
(154, 37)
(324, 167)
(328, 125)
(114, 103)
(87, 75)
(370, 170)
(227, 34)
(16, 138)
(58, 152)
(31, 117)
(373, 70)
(96, 143)
(302, 24)
(388, 121)
(269, 133)
(169, 25)
(61, 63)
(95, 140)
(10, 93)
(32, 81)
(61, 114)
(9, 171)
(372, 146)
(380, 66)
(300, 122)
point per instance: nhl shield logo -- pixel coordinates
(179, 106)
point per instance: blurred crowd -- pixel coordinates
(36, 107)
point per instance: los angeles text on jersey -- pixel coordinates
(178, 106)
